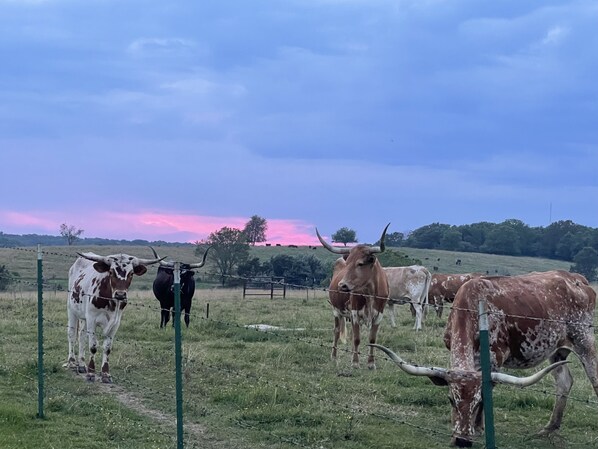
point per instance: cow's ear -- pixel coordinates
(139, 270)
(440, 381)
(101, 267)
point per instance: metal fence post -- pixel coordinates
(178, 355)
(40, 336)
(486, 376)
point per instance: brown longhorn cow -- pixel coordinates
(444, 288)
(358, 291)
(532, 318)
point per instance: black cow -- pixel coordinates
(164, 288)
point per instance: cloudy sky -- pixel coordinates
(170, 120)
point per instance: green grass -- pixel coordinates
(250, 389)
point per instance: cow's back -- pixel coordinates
(407, 282)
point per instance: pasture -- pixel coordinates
(245, 388)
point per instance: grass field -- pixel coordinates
(245, 388)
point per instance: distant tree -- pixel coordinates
(6, 278)
(70, 233)
(344, 235)
(586, 263)
(393, 239)
(229, 250)
(451, 239)
(253, 268)
(255, 229)
(298, 270)
(427, 236)
(502, 239)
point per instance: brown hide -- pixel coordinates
(444, 287)
(532, 318)
(358, 291)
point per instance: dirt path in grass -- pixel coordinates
(195, 434)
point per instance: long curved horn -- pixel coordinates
(95, 257)
(412, 369)
(203, 262)
(162, 263)
(525, 381)
(331, 248)
(139, 261)
(381, 248)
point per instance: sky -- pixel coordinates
(170, 120)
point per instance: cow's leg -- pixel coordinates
(439, 307)
(418, 316)
(107, 348)
(391, 314)
(376, 319)
(93, 348)
(71, 331)
(356, 337)
(338, 322)
(586, 351)
(187, 314)
(563, 384)
(82, 335)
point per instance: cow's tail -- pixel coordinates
(343, 331)
(425, 299)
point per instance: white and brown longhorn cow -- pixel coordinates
(444, 288)
(408, 284)
(358, 291)
(97, 296)
(532, 318)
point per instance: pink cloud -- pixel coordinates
(167, 226)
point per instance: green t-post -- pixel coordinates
(40, 336)
(178, 355)
(486, 376)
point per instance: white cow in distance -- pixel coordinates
(408, 284)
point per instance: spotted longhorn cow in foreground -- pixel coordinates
(532, 318)
(359, 291)
(97, 296)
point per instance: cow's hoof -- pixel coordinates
(81, 369)
(371, 366)
(90, 377)
(107, 379)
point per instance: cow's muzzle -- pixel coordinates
(120, 296)
(344, 287)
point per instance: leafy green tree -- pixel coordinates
(255, 229)
(70, 233)
(394, 239)
(253, 268)
(503, 239)
(298, 270)
(229, 250)
(427, 236)
(451, 239)
(586, 263)
(344, 235)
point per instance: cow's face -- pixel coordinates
(359, 270)
(465, 395)
(121, 270)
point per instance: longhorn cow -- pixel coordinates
(359, 291)
(408, 284)
(164, 288)
(97, 296)
(444, 288)
(532, 318)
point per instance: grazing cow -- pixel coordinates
(408, 284)
(164, 288)
(444, 287)
(359, 291)
(532, 318)
(98, 295)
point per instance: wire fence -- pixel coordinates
(136, 389)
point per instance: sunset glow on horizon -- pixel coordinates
(151, 226)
